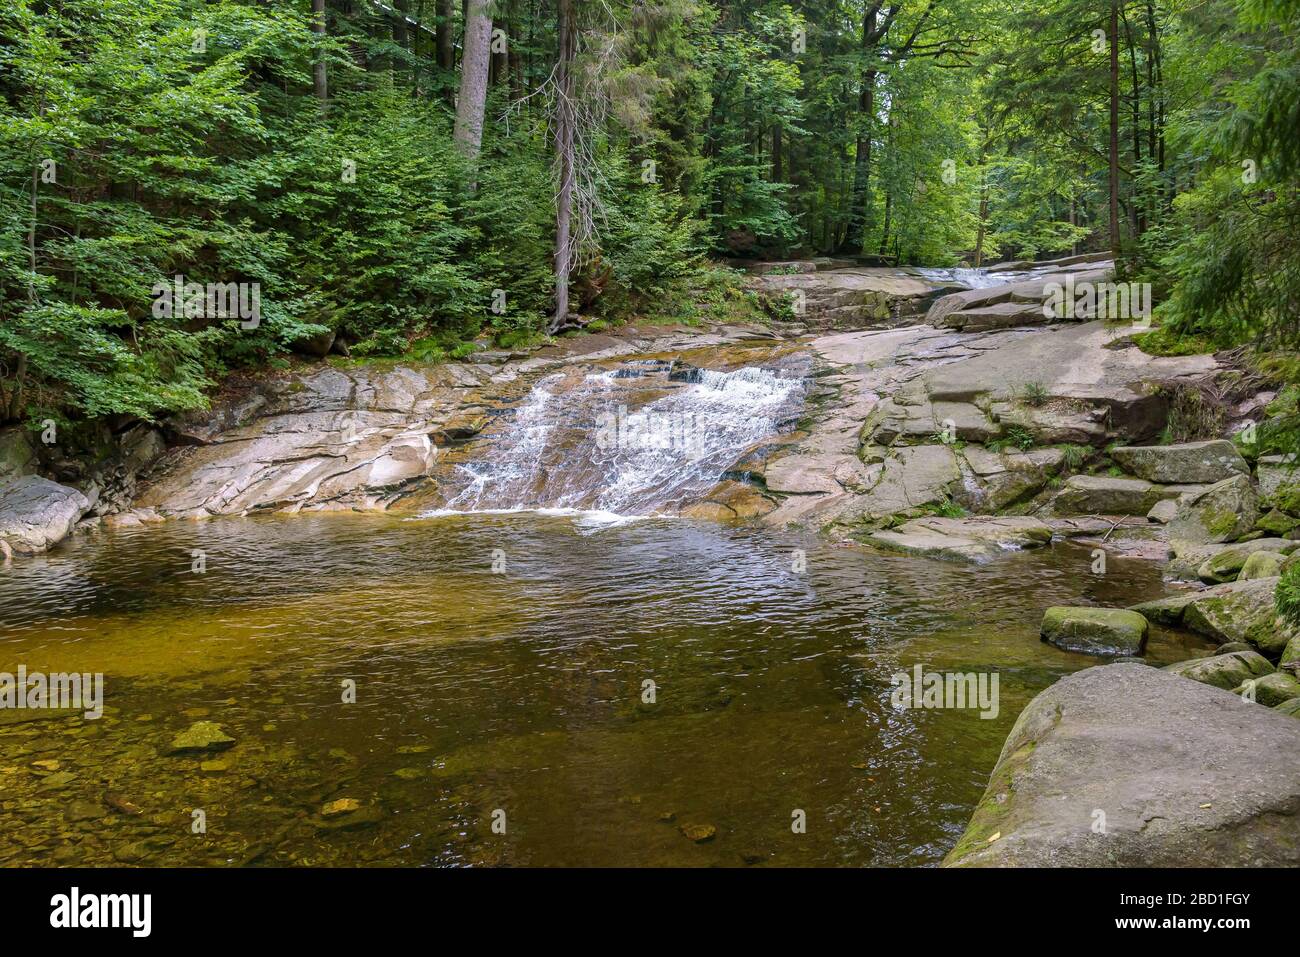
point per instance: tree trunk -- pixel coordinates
(564, 155)
(318, 69)
(984, 206)
(442, 30)
(473, 79)
(1114, 128)
(861, 196)
(884, 229)
(401, 32)
(778, 174)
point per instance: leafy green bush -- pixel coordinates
(1287, 595)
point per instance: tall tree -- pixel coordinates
(320, 81)
(1113, 35)
(565, 121)
(474, 64)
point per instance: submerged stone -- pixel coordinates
(201, 736)
(699, 833)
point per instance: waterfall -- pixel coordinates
(645, 438)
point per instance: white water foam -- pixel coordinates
(591, 452)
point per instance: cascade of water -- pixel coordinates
(644, 438)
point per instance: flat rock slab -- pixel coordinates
(1086, 362)
(1188, 463)
(963, 539)
(36, 513)
(1106, 495)
(1187, 775)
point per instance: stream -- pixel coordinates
(543, 647)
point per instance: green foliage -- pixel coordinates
(1034, 394)
(1287, 595)
(966, 131)
(1015, 437)
(1074, 456)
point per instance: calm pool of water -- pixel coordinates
(518, 692)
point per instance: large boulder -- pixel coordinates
(1104, 495)
(1095, 631)
(1004, 478)
(1221, 513)
(1245, 613)
(1224, 671)
(1187, 462)
(36, 513)
(1183, 775)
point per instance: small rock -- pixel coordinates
(217, 766)
(699, 833)
(200, 737)
(57, 780)
(409, 774)
(46, 765)
(82, 811)
(1163, 512)
(341, 806)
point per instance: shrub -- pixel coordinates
(1287, 595)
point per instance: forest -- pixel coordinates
(419, 177)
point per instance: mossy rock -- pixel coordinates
(1291, 652)
(1290, 706)
(1226, 565)
(1222, 513)
(1271, 690)
(1276, 522)
(1095, 631)
(1226, 671)
(199, 738)
(1261, 565)
(1244, 613)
